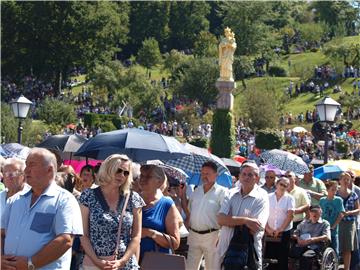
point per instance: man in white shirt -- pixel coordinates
(204, 204)
(245, 205)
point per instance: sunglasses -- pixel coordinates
(283, 185)
(121, 171)
(269, 177)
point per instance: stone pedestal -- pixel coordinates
(225, 99)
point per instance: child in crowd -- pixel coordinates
(332, 211)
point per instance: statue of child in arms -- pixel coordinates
(227, 48)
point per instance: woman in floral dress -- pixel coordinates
(101, 209)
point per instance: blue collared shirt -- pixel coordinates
(29, 229)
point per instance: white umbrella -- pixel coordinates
(299, 129)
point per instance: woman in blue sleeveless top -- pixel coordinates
(160, 214)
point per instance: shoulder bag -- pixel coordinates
(88, 263)
(241, 252)
(159, 260)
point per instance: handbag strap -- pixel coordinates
(116, 253)
(168, 238)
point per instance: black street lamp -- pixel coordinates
(20, 109)
(327, 109)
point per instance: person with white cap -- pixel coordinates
(246, 205)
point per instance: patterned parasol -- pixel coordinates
(285, 161)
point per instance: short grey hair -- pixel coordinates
(251, 165)
(49, 158)
(15, 161)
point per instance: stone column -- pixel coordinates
(225, 98)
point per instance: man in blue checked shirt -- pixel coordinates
(39, 224)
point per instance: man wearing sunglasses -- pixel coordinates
(270, 180)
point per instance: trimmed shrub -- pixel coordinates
(200, 142)
(268, 139)
(277, 71)
(223, 135)
(107, 126)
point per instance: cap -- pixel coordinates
(250, 163)
(315, 208)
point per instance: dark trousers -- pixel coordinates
(279, 250)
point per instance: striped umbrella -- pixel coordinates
(192, 164)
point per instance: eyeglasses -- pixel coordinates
(283, 185)
(12, 174)
(121, 171)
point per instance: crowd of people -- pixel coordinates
(112, 215)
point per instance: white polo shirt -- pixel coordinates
(205, 206)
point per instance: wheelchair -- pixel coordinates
(324, 258)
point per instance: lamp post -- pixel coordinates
(327, 109)
(20, 109)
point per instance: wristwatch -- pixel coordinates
(31, 266)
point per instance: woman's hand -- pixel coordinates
(115, 264)
(100, 263)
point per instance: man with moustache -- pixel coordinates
(204, 204)
(246, 205)
(39, 224)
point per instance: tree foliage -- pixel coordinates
(197, 80)
(149, 54)
(56, 112)
(126, 85)
(47, 39)
(263, 106)
(348, 54)
(206, 45)
(187, 20)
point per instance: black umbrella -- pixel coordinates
(139, 145)
(66, 145)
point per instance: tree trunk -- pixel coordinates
(243, 83)
(57, 84)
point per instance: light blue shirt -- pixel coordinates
(29, 229)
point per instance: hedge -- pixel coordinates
(268, 139)
(223, 134)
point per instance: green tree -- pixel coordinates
(174, 59)
(197, 80)
(263, 106)
(247, 20)
(243, 67)
(8, 124)
(206, 45)
(148, 19)
(47, 39)
(312, 32)
(126, 86)
(187, 20)
(56, 112)
(348, 54)
(334, 13)
(149, 54)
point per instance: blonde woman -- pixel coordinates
(101, 210)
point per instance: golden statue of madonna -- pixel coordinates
(227, 48)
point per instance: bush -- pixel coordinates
(277, 71)
(342, 147)
(200, 142)
(268, 139)
(223, 134)
(95, 120)
(107, 126)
